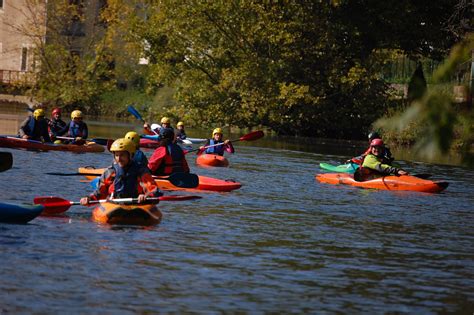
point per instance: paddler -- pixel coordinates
(168, 158)
(165, 123)
(125, 178)
(375, 164)
(76, 128)
(35, 127)
(360, 159)
(217, 136)
(56, 125)
(139, 157)
(180, 132)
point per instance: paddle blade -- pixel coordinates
(252, 136)
(95, 183)
(100, 141)
(53, 205)
(134, 112)
(178, 198)
(6, 161)
(183, 180)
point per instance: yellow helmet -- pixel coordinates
(180, 124)
(165, 120)
(38, 113)
(217, 130)
(76, 114)
(134, 137)
(123, 144)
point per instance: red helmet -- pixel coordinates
(376, 143)
(56, 111)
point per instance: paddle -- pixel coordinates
(57, 205)
(254, 135)
(137, 115)
(183, 180)
(6, 161)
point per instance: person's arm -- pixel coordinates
(202, 148)
(149, 186)
(156, 159)
(372, 162)
(228, 146)
(102, 190)
(85, 134)
(23, 126)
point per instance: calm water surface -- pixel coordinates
(281, 243)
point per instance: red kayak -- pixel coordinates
(19, 143)
(404, 182)
(212, 160)
(148, 143)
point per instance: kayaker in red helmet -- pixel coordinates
(56, 125)
(168, 158)
(125, 178)
(217, 136)
(375, 165)
(35, 127)
(360, 159)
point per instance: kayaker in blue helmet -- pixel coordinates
(375, 164)
(139, 157)
(386, 153)
(35, 127)
(217, 136)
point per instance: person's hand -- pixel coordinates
(84, 201)
(201, 148)
(402, 172)
(141, 198)
(348, 161)
(78, 138)
(146, 126)
(26, 137)
(227, 141)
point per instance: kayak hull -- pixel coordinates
(19, 214)
(18, 143)
(401, 183)
(112, 213)
(349, 168)
(212, 160)
(205, 183)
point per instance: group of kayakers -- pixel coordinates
(37, 127)
(129, 176)
(376, 161)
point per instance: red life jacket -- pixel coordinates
(173, 160)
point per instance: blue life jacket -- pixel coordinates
(126, 180)
(77, 129)
(219, 150)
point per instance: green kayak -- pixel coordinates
(343, 168)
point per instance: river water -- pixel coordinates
(282, 243)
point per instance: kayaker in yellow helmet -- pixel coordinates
(76, 128)
(139, 157)
(375, 165)
(155, 129)
(125, 178)
(180, 132)
(217, 136)
(35, 127)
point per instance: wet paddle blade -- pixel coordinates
(183, 180)
(6, 161)
(135, 113)
(53, 205)
(252, 136)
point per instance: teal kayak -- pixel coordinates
(14, 213)
(343, 168)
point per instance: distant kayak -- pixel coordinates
(343, 168)
(404, 182)
(20, 214)
(205, 183)
(212, 160)
(19, 143)
(113, 213)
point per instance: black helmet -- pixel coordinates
(167, 133)
(374, 135)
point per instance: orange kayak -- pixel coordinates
(404, 182)
(19, 143)
(205, 183)
(212, 160)
(113, 213)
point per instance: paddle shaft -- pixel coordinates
(125, 200)
(254, 135)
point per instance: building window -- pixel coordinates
(24, 58)
(1, 4)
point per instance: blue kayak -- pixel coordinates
(13, 213)
(343, 168)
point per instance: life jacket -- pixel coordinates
(37, 129)
(173, 161)
(140, 159)
(219, 150)
(55, 126)
(77, 129)
(126, 181)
